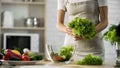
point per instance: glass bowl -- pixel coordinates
(64, 54)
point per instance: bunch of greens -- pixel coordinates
(82, 27)
(66, 52)
(35, 56)
(113, 34)
(90, 60)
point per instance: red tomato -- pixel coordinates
(25, 57)
(57, 58)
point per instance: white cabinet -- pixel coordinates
(21, 10)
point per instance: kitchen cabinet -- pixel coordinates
(21, 10)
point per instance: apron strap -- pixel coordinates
(66, 2)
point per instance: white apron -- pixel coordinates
(89, 10)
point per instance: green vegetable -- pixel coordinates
(30, 54)
(3, 51)
(66, 52)
(36, 57)
(82, 27)
(111, 35)
(39, 57)
(90, 60)
(53, 54)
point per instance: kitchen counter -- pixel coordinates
(48, 64)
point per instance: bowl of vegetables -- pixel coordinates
(64, 54)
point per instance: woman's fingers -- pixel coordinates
(77, 38)
(69, 31)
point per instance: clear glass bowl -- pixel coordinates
(64, 54)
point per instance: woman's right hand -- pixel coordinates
(69, 32)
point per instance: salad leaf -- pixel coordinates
(66, 52)
(82, 27)
(112, 35)
(90, 60)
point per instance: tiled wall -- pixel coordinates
(53, 36)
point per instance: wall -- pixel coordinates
(114, 18)
(53, 36)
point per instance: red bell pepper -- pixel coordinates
(9, 54)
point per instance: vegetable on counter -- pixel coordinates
(9, 54)
(21, 55)
(16, 52)
(90, 60)
(31, 56)
(25, 57)
(64, 54)
(82, 27)
(35, 56)
(20, 50)
(26, 50)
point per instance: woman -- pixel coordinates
(96, 11)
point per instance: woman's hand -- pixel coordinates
(77, 38)
(69, 32)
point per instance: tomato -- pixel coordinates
(25, 57)
(57, 58)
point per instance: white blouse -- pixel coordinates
(62, 3)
